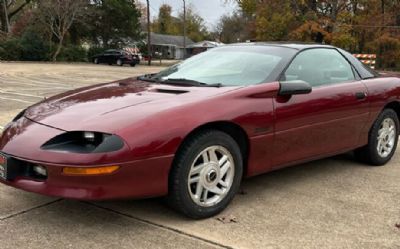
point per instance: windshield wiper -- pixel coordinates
(183, 81)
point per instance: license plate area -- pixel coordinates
(3, 167)
(10, 168)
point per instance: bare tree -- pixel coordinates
(9, 9)
(59, 15)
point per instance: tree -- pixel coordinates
(361, 26)
(8, 10)
(195, 26)
(142, 8)
(171, 25)
(232, 28)
(59, 15)
(114, 22)
(166, 23)
(273, 20)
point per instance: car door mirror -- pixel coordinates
(294, 87)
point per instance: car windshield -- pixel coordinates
(231, 66)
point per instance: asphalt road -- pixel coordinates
(331, 203)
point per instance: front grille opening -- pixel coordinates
(18, 168)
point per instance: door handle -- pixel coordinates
(361, 95)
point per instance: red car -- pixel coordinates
(192, 131)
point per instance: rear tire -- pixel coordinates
(382, 141)
(206, 174)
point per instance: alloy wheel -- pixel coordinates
(211, 176)
(386, 137)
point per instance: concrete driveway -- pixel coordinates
(331, 203)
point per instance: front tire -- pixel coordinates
(382, 141)
(206, 174)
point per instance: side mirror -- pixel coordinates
(288, 88)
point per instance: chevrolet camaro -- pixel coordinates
(193, 131)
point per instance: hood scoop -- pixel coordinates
(168, 91)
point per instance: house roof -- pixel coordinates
(205, 44)
(174, 40)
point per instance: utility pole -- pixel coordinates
(184, 29)
(149, 53)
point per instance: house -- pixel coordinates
(202, 46)
(169, 46)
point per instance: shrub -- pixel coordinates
(33, 47)
(10, 50)
(72, 53)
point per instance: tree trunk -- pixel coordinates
(58, 50)
(5, 24)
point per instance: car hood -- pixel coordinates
(113, 106)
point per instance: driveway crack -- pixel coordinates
(28, 210)
(161, 226)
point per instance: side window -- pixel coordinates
(318, 67)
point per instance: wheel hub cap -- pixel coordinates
(386, 137)
(211, 176)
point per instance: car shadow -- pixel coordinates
(250, 187)
(263, 185)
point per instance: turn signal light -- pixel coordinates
(90, 170)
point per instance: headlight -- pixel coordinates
(84, 142)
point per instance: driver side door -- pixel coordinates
(326, 121)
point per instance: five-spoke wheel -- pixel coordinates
(206, 174)
(211, 176)
(386, 137)
(382, 141)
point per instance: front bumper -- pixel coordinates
(22, 141)
(137, 179)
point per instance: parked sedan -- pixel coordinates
(118, 57)
(194, 130)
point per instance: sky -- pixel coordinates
(209, 10)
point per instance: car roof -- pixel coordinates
(363, 71)
(293, 45)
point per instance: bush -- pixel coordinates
(28, 47)
(10, 50)
(33, 47)
(72, 53)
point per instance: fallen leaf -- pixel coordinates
(227, 220)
